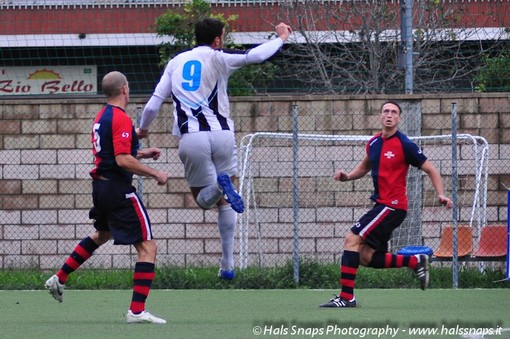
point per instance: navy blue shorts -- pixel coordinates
(377, 225)
(118, 209)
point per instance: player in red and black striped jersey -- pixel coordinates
(118, 212)
(388, 156)
(113, 133)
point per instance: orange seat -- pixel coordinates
(465, 242)
(493, 241)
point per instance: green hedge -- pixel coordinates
(312, 275)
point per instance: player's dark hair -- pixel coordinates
(207, 30)
(393, 103)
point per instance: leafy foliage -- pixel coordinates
(180, 25)
(251, 79)
(495, 76)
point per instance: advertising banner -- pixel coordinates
(48, 80)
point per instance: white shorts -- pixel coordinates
(205, 154)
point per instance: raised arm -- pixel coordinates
(263, 51)
(266, 50)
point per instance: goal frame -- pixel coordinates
(478, 208)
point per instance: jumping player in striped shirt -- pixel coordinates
(118, 212)
(388, 155)
(197, 82)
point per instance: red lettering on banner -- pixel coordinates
(54, 86)
(7, 87)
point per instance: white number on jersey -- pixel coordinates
(97, 139)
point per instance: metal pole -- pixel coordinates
(295, 190)
(406, 29)
(507, 276)
(508, 237)
(455, 257)
(411, 230)
(139, 180)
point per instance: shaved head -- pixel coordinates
(112, 84)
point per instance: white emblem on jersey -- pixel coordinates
(394, 202)
(389, 154)
(125, 134)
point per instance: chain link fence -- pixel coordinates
(288, 152)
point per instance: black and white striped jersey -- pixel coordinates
(197, 82)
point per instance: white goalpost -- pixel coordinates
(293, 205)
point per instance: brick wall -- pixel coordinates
(45, 187)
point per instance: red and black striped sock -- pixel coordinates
(142, 282)
(389, 260)
(80, 254)
(348, 270)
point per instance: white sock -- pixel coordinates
(227, 218)
(209, 196)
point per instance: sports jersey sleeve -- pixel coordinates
(121, 134)
(150, 111)
(413, 154)
(372, 139)
(255, 55)
(164, 87)
(163, 90)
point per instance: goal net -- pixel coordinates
(295, 208)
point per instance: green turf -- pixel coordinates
(235, 313)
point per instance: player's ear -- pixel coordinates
(217, 42)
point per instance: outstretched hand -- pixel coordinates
(283, 30)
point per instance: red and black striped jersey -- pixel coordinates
(390, 159)
(113, 134)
